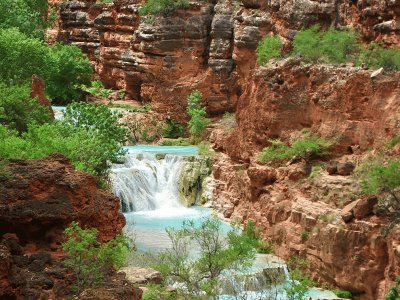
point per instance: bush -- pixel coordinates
(331, 46)
(202, 274)
(97, 88)
(305, 147)
(393, 142)
(64, 68)
(378, 177)
(198, 121)
(153, 7)
(173, 129)
(376, 56)
(343, 294)
(269, 47)
(394, 292)
(18, 110)
(89, 260)
(177, 142)
(26, 15)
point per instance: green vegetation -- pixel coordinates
(198, 121)
(89, 260)
(343, 294)
(394, 292)
(269, 47)
(173, 129)
(299, 283)
(89, 141)
(63, 67)
(378, 177)
(305, 147)
(18, 110)
(331, 46)
(30, 16)
(177, 142)
(158, 292)
(376, 56)
(393, 142)
(304, 235)
(154, 7)
(97, 88)
(201, 275)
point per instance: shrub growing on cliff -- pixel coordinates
(305, 147)
(269, 47)
(376, 56)
(90, 260)
(153, 7)
(394, 292)
(331, 46)
(378, 177)
(198, 121)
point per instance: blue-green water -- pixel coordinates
(153, 149)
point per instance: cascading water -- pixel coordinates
(146, 183)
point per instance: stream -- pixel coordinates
(147, 185)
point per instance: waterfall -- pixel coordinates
(145, 183)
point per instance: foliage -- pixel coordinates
(89, 260)
(173, 129)
(269, 47)
(70, 69)
(198, 121)
(29, 16)
(177, 142)
(154, 7)
(304, 235)
(217, 254)
(304, 147)
(97, 88)
(63, 67)
(157, 292)
(394, 292)
(18, 110)
(331, 46)
(298, 282)
(378, 177)
(393, 142)
(205, 149)
(343, 294)
(254, 235)
(377, 56)
(4, 173)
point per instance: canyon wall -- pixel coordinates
(211, 46)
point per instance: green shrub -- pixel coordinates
(18, 110)
(173, 129)
(158, 292)
(153, 7)
(379, 177)
(305, 147)
(331, 46)
(4, 173)
(64, 68)
(26, 15)
(394, 292)
(393, 142)
(304, 235)
(376, 56)
(89, 260)
(343, 294)
(177, 142)
(269, 47)
(97, 88)
(198, 121)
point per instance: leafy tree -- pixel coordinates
(18, 110)
(70, 69)
(269, 47)
(90, 260)
(378, 177)
(153, 7)
(217, 254)
(198, 121)
(97, 88)
(29, 16)
(173, 129)
(64, 68)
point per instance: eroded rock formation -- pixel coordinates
(38, 200)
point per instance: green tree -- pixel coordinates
(269, 47)
(18, 110)
(89, 260)
(29, 16)
(198, 121)
(218, 253)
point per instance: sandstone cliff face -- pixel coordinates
(39, 200)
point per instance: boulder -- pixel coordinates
(261, 175)
(139, 276)
(345, 168)
(332, 167)
(364, 207)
